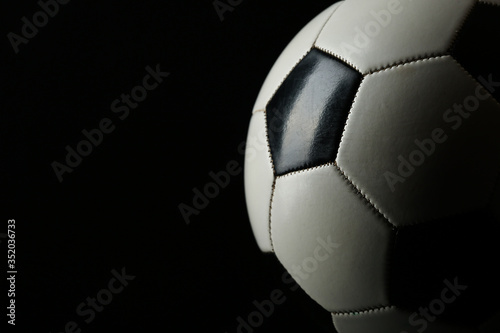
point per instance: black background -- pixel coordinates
(119, 207)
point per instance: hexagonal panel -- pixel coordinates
(422, 141)
(330, 240)
(476, 47)
(291, 55)
(306, 116)
(375, 34)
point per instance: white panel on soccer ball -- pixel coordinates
(375, 34)
(291, 55)
(421, 141)
(258, 180)
(331, 241)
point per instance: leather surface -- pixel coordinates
(306, 116)
(317, 206)
(412, 29)
(398, 106)
(396, 113)
(258, 169)
(291, 55)
(258, 180)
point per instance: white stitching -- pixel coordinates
(461, 26)
(349, 114)
(352, 313)
(407, 62)
(304, 170)
(270, 214)
(338, 57)
(326, 22)
(364, 196)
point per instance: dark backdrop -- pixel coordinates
(117, 211)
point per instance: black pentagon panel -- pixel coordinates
(477, 46)
(448, 268)
(307, 114)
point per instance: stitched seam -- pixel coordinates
(304, 170)
(285, 77)
(288, 74)
(274, 180)
(461, 26)
(333, 322)
(390, 251)
(364, 311)
(346, 178)
(349, 114)
(302, 57)
(268, 145)
(270, 214)
(338, 57)
(326, 22)
(393, 238)
(411, 59)
(475, 80)
(433, 219)
(497, 181)
(408, 62)
(377, 210)
(259, 110)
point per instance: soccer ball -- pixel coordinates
(372, 164)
